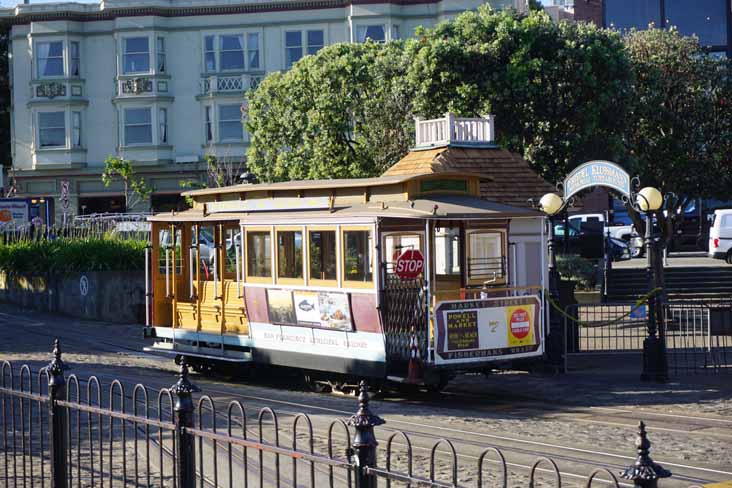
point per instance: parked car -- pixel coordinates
(720, 236)
(619, 229)
(587, 241)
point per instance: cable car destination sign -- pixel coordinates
(597, 173)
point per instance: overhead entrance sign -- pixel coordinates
(409, 264)
(597, 173)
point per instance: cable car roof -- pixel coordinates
(435, 207)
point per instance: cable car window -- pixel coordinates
(289, 254)
(206, 249)
(259, 254)
(357, 257)
(396, 244)
(447, 251)
(233, 247)
(166, 244)
(485, 256)
(322, 254)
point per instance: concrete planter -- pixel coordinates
(109, 296)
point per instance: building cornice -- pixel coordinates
(23, 18)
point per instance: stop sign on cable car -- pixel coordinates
(409, 264)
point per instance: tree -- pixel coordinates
(5, 153)
(135, 188)
(344, 112)
(678, 135)
(559, 91)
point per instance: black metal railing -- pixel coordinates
(63, 435)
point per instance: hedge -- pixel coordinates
(66, 256)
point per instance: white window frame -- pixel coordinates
(389, 31)
(211, 116)
(73, 59)
(163, 134)
(304, 46)
(125, 54)
(37, 51)
(246, 51)
(156, 52)
(65, 144)
(219, 121)
(160, 117)
(150, 110)
(161, 66)
(209, 125)
(77, 129)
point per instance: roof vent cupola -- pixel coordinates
(451, 130)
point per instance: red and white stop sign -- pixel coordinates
(409, 264)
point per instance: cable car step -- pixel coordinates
(200, 352)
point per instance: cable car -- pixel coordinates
(408, 277)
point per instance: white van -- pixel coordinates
(720, 236)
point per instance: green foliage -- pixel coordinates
(581, 270)
(65, 256)
(558, 91)
(342, 113)
(134, 186)
(678, 134)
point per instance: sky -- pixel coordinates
(13, 3)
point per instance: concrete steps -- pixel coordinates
(628, 284)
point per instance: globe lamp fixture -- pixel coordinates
(649, 199)
(551, 203)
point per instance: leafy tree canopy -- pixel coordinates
(345, 112)
(678, 134)
(558, 91)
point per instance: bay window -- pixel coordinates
(253, 50)
(163, 122)
(74, 59)
(50, 59)
(230, 126)
(209, 125)
(52, 129)
(161, 54)
(136, 55)
(138, 126)
(295, 48)
(76, 129)
(231, 52)
(376, 33)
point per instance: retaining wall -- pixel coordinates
(109, 296)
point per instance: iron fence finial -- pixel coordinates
(364, 441)
(644, 472)
(183, 386)
(56, 366)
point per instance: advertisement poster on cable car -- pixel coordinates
(311, 309)
(471, 330)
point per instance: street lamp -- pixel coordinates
(655, 365)
(551, 204)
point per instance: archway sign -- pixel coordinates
(597, 173)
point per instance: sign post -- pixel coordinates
(65, 199)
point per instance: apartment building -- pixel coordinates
(162, 83)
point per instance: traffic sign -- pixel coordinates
(409, 264)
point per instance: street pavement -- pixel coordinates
(584, 419)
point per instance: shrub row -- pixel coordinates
(66, 256)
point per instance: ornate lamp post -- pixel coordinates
(655, 364)
(551, 204)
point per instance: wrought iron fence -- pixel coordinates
(697, 333)
(66, 432)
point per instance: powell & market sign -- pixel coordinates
(597, 173)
